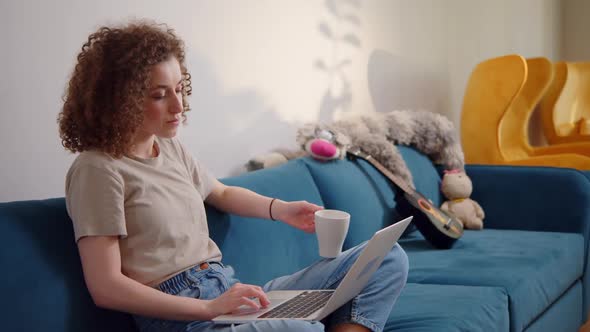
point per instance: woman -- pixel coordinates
(135, 196)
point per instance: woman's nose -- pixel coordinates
(177, 106)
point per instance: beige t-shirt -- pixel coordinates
(154, 205)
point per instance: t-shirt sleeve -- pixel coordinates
(95, 202)
(201, 177)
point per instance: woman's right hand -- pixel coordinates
(238, 295)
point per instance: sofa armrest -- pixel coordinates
(537, 199)
(533, 198)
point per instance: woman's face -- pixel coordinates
(163, 104)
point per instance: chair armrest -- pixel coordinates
(533, 198)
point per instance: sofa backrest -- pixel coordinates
(370, 198)
(42, 285)
(258, 249)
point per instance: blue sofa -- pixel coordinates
(526, 271)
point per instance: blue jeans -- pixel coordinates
(370, 308)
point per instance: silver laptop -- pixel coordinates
(314, 305)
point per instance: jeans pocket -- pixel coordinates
(192, 290)
(213, 285)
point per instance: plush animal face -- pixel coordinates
(321, 143)
(456, 184)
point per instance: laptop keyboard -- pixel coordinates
(301, 305)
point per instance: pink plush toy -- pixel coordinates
(322, 147)
(322, 144)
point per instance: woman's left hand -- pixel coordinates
(299, 214)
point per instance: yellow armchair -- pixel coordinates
(565, 109)
(514, 125)
(499, 100)
(492, 86)
(549, 100)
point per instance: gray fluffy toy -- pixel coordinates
(378, 134)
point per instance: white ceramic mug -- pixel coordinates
(331, 227)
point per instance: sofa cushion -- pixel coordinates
(358, 188)
(534, 268)
(42, 285)
(257, 248)
(446, 308)
(425, 175)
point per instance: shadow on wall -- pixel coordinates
(229, 128)
(338, 96)
(396, 83)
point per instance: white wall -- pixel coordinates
(259, 68)
(575, 27)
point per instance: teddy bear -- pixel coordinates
(457, 187)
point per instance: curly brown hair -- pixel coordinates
(103, 103)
